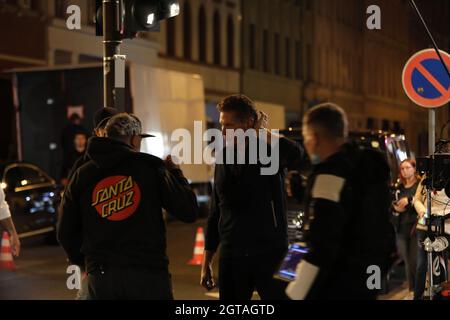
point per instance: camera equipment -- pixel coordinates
(437, 170)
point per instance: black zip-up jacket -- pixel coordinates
(346, 237)
(111, 212)
(248, 210)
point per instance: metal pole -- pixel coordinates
(430, 271)
(431, 130)
(429, 248)
(111, 47)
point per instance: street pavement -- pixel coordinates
(41, 270)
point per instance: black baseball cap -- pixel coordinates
(102, 116)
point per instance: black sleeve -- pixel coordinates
(328, 218)
(212, 238)
(177, 196)
(291, 153)
(69, 231)
(325, 233)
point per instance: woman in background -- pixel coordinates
(406, 219)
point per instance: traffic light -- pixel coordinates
(98, 18)
(140, 15)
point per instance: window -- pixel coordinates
(309, 62)
(84, 58)
(230, 42)
(60, 8)
(298, 60)
(385, 125)
(170, 37)
(266, 51)
(62, 57)
(252, 47)
(371, 123)
(217, 39)
(91, 13)
(308, 5)
(288, 57)
(277, 53)
(187, 31)
(202, 35)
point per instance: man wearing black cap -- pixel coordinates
(101, 117)
(111, 219)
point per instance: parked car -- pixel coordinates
(33, 197)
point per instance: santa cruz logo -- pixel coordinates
(116, 198)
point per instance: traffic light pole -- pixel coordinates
(111, 50)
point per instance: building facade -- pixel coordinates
(292, 53)
(361, 69)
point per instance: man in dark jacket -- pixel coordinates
(111, 215)
(348, 203)
(248, 212)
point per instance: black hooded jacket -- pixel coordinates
(111, 212)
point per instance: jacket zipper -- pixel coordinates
(274, 216)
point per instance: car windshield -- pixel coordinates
(24, 176)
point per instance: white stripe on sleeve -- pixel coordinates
(328, 187)
(306, 274)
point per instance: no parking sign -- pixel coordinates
(425, 79)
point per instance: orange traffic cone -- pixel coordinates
(197, 259)
(6, 258)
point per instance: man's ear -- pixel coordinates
(135, 143)
(316, 138)
(251, 123)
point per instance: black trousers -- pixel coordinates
(407, 247)
(119, 283)
(240, 276)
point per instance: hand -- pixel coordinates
(207, 279)
(15, 244)
(421, 214)
(403, 202)
(170, 165)
(262, 121)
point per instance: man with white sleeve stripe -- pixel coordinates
(336, 264)
(8, 225)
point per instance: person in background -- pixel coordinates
(67, 140)
(8, 224)
(101, 118)
(440, 205)
(79, 148)
(406, 218)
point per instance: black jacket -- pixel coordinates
(111, 212)
(248, 210)
(345, 235)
